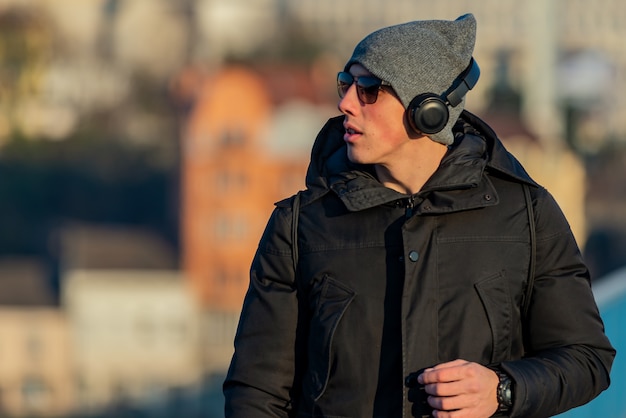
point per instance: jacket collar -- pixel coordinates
(458, 184)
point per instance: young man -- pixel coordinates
(421, 278)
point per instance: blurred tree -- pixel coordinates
(502, 97)
(292, 45)
(118, 166)
(24, 43)
(86, 177)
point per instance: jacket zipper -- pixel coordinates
(410, 205)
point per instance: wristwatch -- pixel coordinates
(504, 393)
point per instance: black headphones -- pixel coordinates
(428, 112)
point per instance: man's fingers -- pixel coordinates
(445, 372)
(460, 389)
(453, 363)
(444, 389)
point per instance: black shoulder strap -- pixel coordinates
(295, 215)
(533, 250)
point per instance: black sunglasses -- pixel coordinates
(366, 86)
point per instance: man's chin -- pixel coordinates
(354, 157)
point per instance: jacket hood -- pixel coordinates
(476, 149)
(498, 157)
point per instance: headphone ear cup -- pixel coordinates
(428, 114)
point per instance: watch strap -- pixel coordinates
(504, 392)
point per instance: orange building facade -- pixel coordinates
(230, 182)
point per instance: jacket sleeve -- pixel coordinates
(262, 371)
(569, 356)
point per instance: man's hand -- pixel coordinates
(461, 389)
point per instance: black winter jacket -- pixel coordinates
(389, 284)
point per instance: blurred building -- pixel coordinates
(227, 186)
(134, 335)
(241, 153)
(66, 61)
(36, 354)
(133, 324)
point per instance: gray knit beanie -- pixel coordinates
(420, 57)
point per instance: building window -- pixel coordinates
(35, 394)
(221, 277)
(232, 137)
(231, 181)
(221, 328)
(145, 329)
(240, 228)
(34, 346)
(229, 227)
(222, 227)
(178, 331)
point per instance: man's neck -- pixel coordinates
(409, 174)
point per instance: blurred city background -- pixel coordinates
(144, 142)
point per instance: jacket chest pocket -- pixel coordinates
(496, 300)
(480, 284)
(476, 321)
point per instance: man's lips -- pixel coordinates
(351, 132)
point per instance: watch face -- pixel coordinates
(507, 398)
(505, 394)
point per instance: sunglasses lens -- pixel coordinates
(366, 86)
(344, 81)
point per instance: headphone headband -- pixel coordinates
(464, 83)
